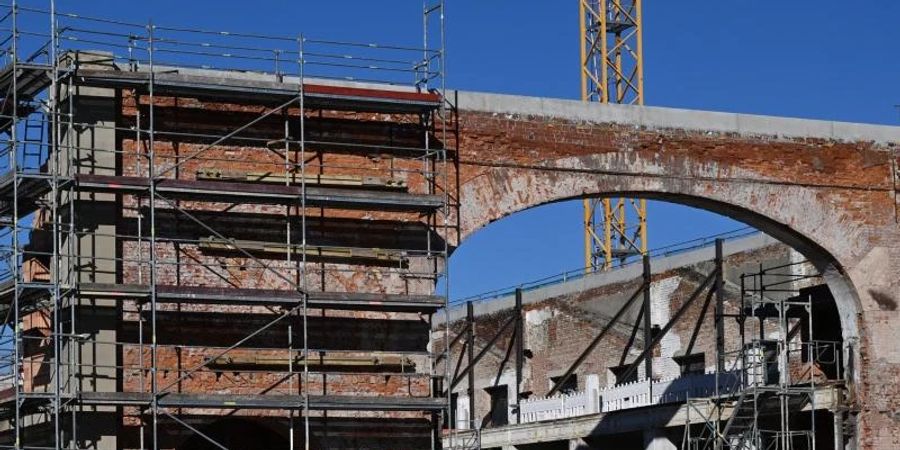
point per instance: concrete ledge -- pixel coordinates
(673, 118)
(629, 272)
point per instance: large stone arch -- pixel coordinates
(827, 189)
(789, 214)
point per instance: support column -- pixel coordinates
(720, 309)
(656, 439)
(648, 325)
(578, 444)
(838, 417)
(520, 354)
(470, 348)
(94, 254)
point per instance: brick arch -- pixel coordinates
(829, 189)
(811, 227)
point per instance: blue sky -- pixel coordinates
(822, 59)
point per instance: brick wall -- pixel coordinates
(560, 326)
(827, 189)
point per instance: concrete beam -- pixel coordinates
(674, 118)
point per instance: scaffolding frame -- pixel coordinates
(764, 383)
(303, 76)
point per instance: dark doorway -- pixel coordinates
(236, 434)
(499, 414)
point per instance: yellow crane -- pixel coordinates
(612, 71)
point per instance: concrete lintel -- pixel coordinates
(674, 118)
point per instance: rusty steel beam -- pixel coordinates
(593, 344)
(648, 346)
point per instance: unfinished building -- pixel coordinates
(225, 240)
(202, 258)
(572, 363)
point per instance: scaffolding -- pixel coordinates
(161, 177)
(768, 383)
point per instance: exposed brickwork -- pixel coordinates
(189, 335)
(559, 328)
(834, 200)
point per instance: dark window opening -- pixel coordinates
(619, 373)
(693, 364)
(499, 413)
(569, 387)
(450, 420)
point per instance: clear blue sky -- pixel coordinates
(823, 59)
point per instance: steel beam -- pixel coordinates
(593, 344)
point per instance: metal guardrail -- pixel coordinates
(575, 274)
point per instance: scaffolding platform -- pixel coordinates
(30, 295)
(31, 189)
(219, 191)
(265, 401)
(262, 401)
(237, 401)
(110, 112)
(356, 301)
(370, 98)
(30, 80)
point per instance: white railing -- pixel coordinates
(561, 406)
(671, 390)
(625, 396)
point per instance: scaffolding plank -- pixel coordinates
(264, 401)
(227, 192)
(30, 79)
(355, 301)
(260, 91)
(30, 295)
(31, 188)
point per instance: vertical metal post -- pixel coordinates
(470, 348)
(289, 179)
(520, 353)
(743, 330)
(154, 384)
(759, 296)
(71, 157)
(720, 340)
(720, 309)
(53, 163)
(648, 324)
(304, 387)
(14, 146)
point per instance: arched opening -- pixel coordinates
(826, 264)
(784, 297)
(237, 434)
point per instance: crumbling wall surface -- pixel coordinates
(826, 188)
(190, 335)
(560, 326)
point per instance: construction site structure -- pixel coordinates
(612, 71)
(769, 382)
(188, 253)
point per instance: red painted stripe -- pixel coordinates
(372, 93)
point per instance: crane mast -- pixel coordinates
(612, 71)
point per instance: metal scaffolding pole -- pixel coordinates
(470, 347)
(18, 375)
(304, 287)
(53, 162)
(151, 170)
